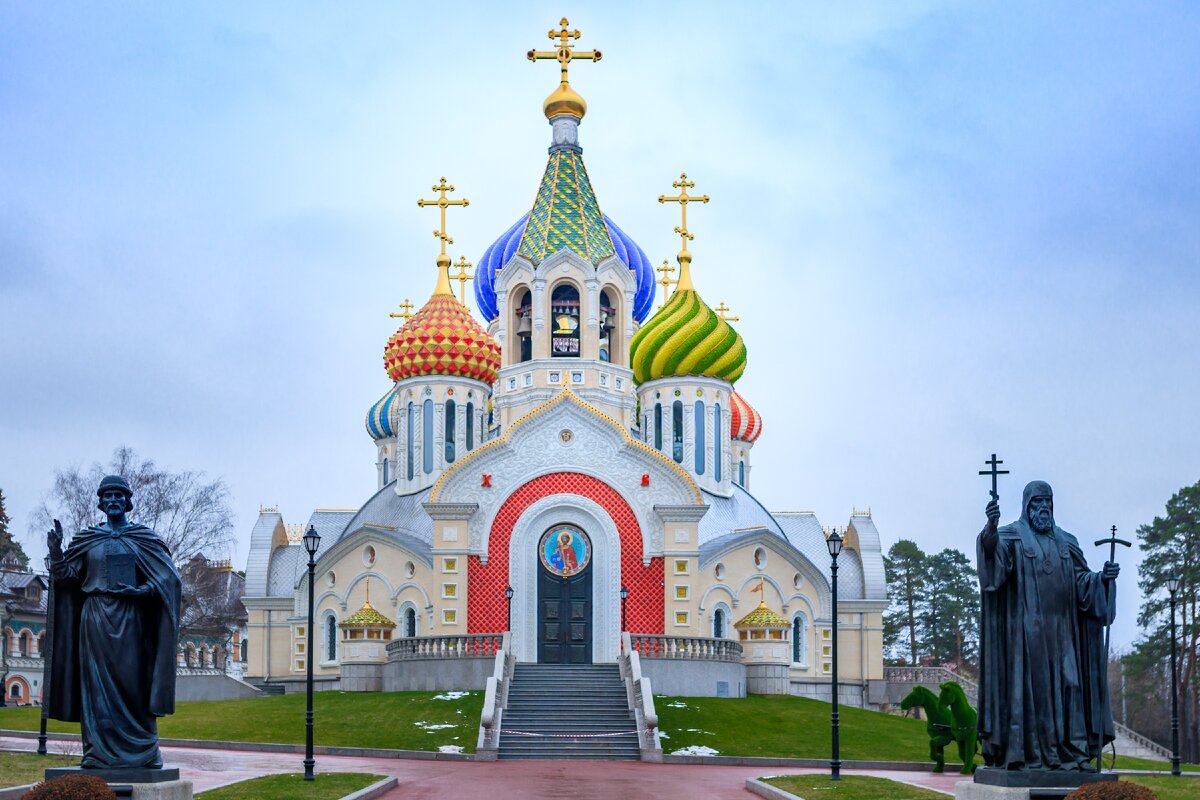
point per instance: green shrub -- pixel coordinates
(71, 787)
(1112, 790)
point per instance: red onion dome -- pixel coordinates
(744, 422)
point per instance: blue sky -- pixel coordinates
(949, 229)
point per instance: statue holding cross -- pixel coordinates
(1043, 688)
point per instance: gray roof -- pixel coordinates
(729, 514)
(874, 579)
(258, 562)
(287, 565)
(12, 589)
(850, 575)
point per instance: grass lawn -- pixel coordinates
(17, 769)
(401, 720)
(1126, 762)
(1166, 787)
(327, 786)
(850, 787)
(788, 727)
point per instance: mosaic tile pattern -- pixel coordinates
(487, 606)
(744, 422)
(442, 339)
(566, 214)
(686, 337)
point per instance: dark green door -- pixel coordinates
(565, 617)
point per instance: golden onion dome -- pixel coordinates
(366, 617)
(564, 100)
(762, 617)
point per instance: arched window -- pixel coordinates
(470, 426)
(450, 444)
(245, 650)
(717, 443)
(800, 639)
(410, 440)
(410, 622)
(385, 471)
(427, 439)
(698, 413)
(42, 644)
(677, 431)
(26, 643)
(718, 631)
(564, 319)
(658, 426)
(742, 473)
(15, 691)
(608, 324)
(524, 323)
(330, 638)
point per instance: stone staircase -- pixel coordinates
(580, 703)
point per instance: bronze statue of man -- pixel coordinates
(116, 630)
(1043, 687)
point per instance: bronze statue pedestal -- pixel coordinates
(136, 783)
(991, 783)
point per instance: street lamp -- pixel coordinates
(46, 647)
(834, 542)
(624, 597)
(508, 593)
(312, 540)
(1173, 587)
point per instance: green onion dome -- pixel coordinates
(686, 337)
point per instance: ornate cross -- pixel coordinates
(565, 53)
(994, 472)
(462, 276)
(665, 281)
(683, 198)
(722, 309)
(443, 203)
(405, 311)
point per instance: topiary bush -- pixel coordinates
(1112, 790)
(71, 787)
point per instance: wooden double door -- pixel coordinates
(565, 617)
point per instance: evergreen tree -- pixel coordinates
(906, 579)
(949, 609)
(9, 545)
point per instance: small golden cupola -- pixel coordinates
(367, 623)
(766, 650)
(365, 635)
(564, 99)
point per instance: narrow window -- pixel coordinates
(717, 442)
(410, 440)
(719, 624)
(450, 431)
(699, 443)
(608, 318)
(658, 426)
(677, 431)
(799, 638)
(564, 318)
(427, 425)
(742, 474)
(525, 326)
(410, 622)
(330, 639)
(470, 426)
(245, 650)
(385, 471)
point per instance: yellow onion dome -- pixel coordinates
(442, 339)
(686, 337)
(366, 617)
(564, 100)
(762, 617)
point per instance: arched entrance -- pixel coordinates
(564, 596)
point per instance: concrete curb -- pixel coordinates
(273, 747)
(15, 792)
(374, 790)
(768, 791)
(756, 761)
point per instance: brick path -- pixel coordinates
(501, 780)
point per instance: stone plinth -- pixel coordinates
(767, 679)
(1001, 784)
(137, 783)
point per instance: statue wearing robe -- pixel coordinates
(1043, 688)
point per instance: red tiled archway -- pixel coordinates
(486, 584)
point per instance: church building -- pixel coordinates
(571, 466)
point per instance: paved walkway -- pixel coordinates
(500, 780)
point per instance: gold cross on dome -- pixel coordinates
(462, 276)
(722, 309)
(683, 198)
(566, 52)
(443, 202)
(665, 281)
(405, 311)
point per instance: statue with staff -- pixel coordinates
(1043, 687)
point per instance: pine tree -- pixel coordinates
(950, 609)
(9, 545)
(906, 579)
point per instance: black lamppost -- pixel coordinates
(312, 540)
(46, 647)
(624, 597)
(834, 542)
(508, 593)
(1173, 587)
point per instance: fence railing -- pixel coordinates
(473, 645)
(685, 648)
(931, 677)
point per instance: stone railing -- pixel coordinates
(1145, 742)
(930, 677)
(474, 645)
(495, 700)
(640, 697)
(685, 648)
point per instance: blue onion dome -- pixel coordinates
(379, 421)
(505, 247)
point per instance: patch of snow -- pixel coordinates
(450, 748)
(696, 750)
(662, 735)
(451, 695)
(429, 726)
(697, 730)
(677, 704)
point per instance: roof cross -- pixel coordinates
(443, 202)
(683, 198)
(405, 311)
(462, 276)
(721, 311)
(566, 52)
(665, 281)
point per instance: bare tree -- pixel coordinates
(192, 515)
